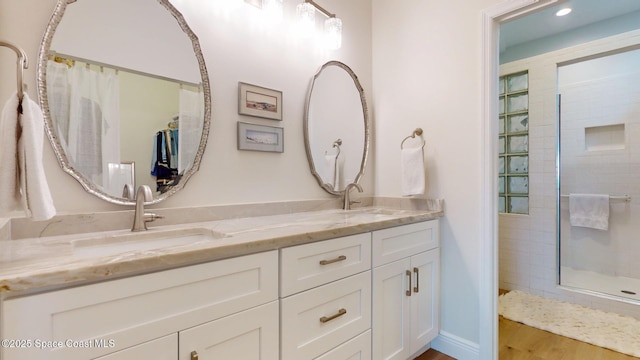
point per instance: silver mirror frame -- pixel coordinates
(367, 127)
(88, 185)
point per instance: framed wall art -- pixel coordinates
(259, 101)
(260, 137)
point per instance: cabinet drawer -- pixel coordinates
(358, 348)
(317, 320)
(310, 265)
(134, 310)
(395, 243)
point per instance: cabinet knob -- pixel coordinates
(194, 355)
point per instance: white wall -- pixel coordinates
(528, 242)
(118, 37)
(426, 71)
(237, 46)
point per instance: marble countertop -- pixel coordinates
(42, 263)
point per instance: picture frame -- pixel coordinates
(259, 101)
(256, 137)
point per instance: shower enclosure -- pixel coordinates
(598, 174)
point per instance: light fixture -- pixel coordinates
(563, 11)
(306, 19)
(333, 33)
(273, 10)
(332, 26)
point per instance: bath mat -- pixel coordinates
(600, 328)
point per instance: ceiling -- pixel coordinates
(544, 23)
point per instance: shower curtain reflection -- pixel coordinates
(191, 117)
(599, 148)
(85, 105)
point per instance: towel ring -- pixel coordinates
(336, 144)
(418, 132)
(23, 63)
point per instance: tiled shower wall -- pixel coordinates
(600, 154)
(527, 243)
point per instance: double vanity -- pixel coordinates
(325, 284)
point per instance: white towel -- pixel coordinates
(589, 210)
(412, 171)
(22, 179)
(9, 181)
(332, 164)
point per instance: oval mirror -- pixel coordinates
(126, 102)
(336, 127)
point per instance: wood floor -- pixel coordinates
(434, 355)
(522, 342)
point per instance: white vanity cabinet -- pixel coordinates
(250, 334)
(325, 303)
(406, 263)
(367, 296)
(153, 315)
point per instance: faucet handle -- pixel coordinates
(149, 217)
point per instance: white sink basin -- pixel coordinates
(374, 211)
(138, 242)
(368, 214)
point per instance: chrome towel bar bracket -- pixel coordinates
(418, 132)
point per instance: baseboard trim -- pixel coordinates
(456, 347)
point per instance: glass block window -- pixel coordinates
(513, 144)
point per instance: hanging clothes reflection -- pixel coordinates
(165, 157)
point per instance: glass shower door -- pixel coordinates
(599, 172)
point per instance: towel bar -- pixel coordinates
(23, 63)
(626, 198)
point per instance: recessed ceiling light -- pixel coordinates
(563, 12)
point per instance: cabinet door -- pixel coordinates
(249, 335)
(425, 304)
(165, 348)
(137, 309)
(391, 307)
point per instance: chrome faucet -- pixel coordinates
(347, 200)
(140, 218)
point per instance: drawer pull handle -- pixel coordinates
(327, 262)
(340, 312)
(408, 292)
(194, 355)
(417, 287)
